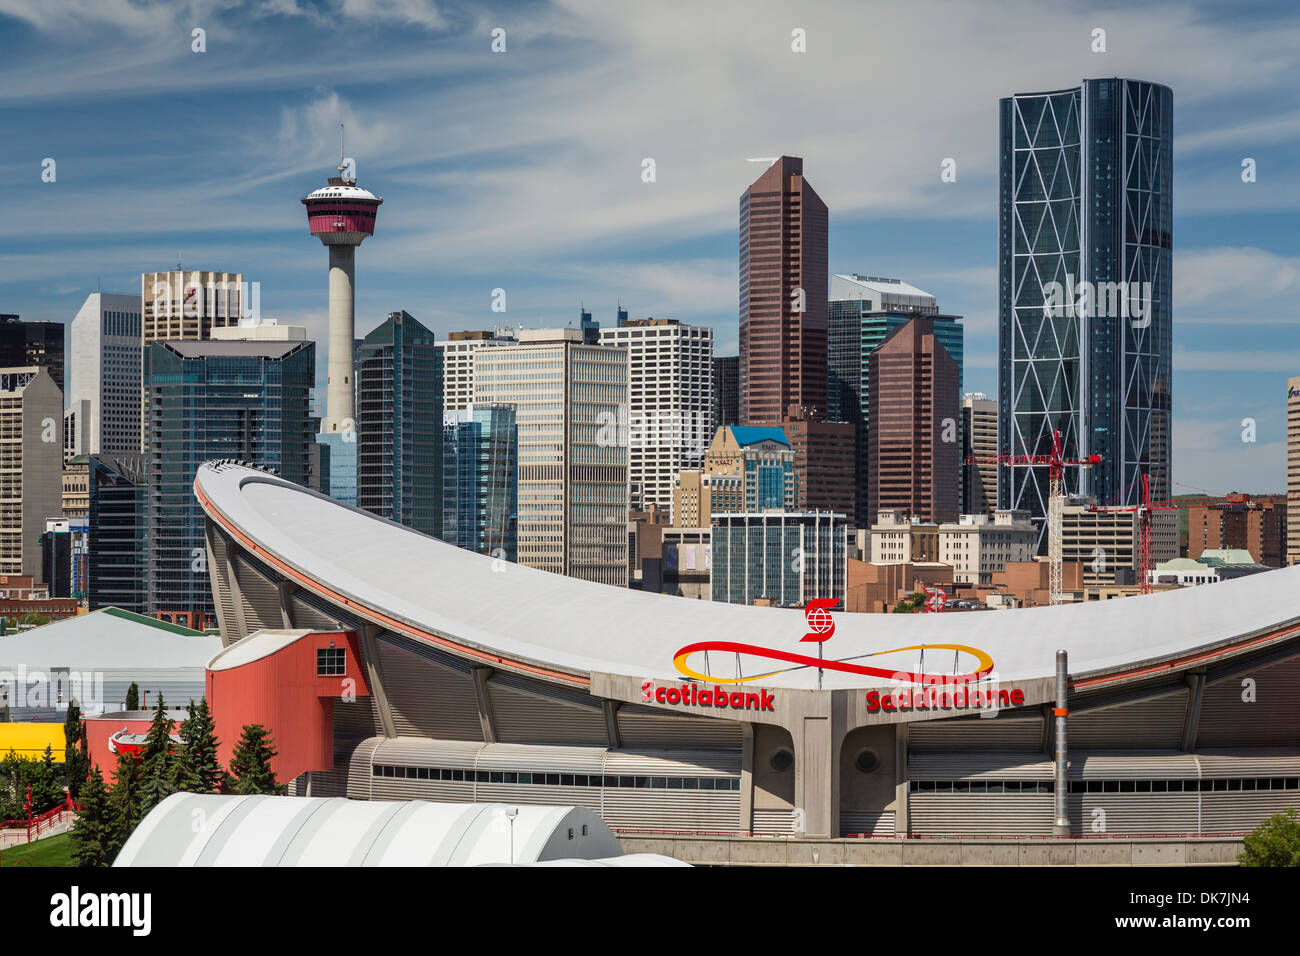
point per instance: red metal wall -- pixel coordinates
(282, 693)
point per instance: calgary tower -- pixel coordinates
(341, 215)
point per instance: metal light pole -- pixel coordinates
(511, 813)
(1062, 823)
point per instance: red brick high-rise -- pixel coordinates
(783, 258)
(913, 444)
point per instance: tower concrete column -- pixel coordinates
(340, 397)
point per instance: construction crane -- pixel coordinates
(1145, 564)
(1056, 466)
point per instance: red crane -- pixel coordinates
(1056, 466)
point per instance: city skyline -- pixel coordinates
(469, 204)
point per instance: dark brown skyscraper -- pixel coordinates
(825, 463)
(783, 288)
(913, 447)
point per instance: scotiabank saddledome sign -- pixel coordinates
(935, 691)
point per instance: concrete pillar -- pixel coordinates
(747, 777)
(817, 742)
(340, 396)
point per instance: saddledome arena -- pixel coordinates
(490, 682)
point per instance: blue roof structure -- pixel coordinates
(750, 435)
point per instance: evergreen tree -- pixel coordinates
(250, 764)
(47, 792)
(156, 762)
(75, 764)
(133, 697)
(90, 833)
(124, 804)
(200, 770)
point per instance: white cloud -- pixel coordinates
(1229, 276)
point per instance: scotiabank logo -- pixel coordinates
(719, 698)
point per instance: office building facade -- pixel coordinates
(783, 276)
(33, 345)
(31, 465)
(242, 400)
(863, 310)
(481, 480)
(746, 469)
(825, 464)
(781, 559)
(457, 352)
(1293, 470)
(118, 522)
(979, 436)
(726, 390)
(670, 397)
(1254, 523)
(977, 546)
(104, 374)
(573, 487)
(182, 305)
(399, 424)
(1085, 288)
(913, 445)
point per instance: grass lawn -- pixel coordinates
(51, 851)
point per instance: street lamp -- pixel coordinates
(511, 813)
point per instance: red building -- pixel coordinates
(913, 444)
(290, 682)
(825, 461)
(1254, 523)
(783, 290)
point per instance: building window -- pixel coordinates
(330, 662)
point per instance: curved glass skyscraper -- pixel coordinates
(1084, 274)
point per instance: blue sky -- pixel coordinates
(522, 170)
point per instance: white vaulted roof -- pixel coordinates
(485, 608)
(335, 831)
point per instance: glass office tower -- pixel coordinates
(1085, 288)
(399, 424)
(247, 400)
(480, 480)
(857, 327)
(119, 533)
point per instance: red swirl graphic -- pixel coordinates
(731, 647)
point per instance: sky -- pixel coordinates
(523, 170)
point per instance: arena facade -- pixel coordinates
(484, 681)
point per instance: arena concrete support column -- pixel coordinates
(818, 728)
(375, 677)
(484, 703)
(286, 589)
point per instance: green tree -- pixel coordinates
(47, 791)
(1275, 842)
(250, 764)
(91, 833)
(125, 803)
(75, 762)
(133, 697)
(157, 759)
(909, 604)
(198, 769)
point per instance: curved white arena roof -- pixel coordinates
(335, 831)
(512, 615)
